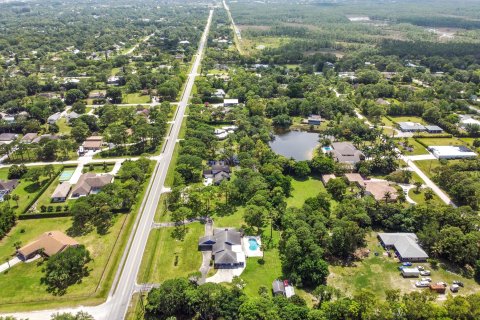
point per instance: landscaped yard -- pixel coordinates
(380, 273)
(26, 190)
(132, 98)
(63, 126)
(304, 189)
(428, 166)
(167, 258)
(99, 167)
(418, 149)
(442, 142)
(409, 119)
(21, 284)
(419, 198)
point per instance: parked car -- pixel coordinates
(442, 283)
(407, 264)
(427, 279)
(421, 268)
(458, 283)
(454, 288)
(425, 273)
(422, 284)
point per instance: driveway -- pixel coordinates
(225, 275)
(10, 264)
(206, 255)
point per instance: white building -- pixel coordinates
(452, 152)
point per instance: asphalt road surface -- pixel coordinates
(125, 283)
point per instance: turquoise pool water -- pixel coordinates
(327, 148)
(66, 175)
(253, 244)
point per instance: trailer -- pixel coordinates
(438, 288)
(410, 273)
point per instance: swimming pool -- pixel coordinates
(253, 244)
(66, 175)
(327, 148)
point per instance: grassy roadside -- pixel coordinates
(97, 289)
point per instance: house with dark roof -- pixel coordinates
(60, 194)
(218, 172)
(93, 143)
(433, 129)
(314, 120)
(90, 183)
(345, 152)
(226, 247)
(411, 127)
(6, 187)
(405, 246)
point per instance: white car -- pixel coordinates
(427, 279)
(422, 284)
(425, 273)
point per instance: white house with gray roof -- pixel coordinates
(226, 247)
(405, 245)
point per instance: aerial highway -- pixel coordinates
(125, 282)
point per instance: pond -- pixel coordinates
(298, 145)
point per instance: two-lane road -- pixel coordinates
(116, 306)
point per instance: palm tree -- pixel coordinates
(387, 196)
(418, 185)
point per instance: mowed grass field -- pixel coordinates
(167, 258)
(26, 190)
(380, 273)
(304, 189)
(21, 285)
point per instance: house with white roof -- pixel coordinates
(405, 246)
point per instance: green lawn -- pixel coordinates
(171, 169)
(380, 273)
(63, 126)
(442, 142)
(21, 284)
(22, 288)
(418, 149)
(234, 220)
(162, 214)
(132, 98)
(304, 189)
(256, 275)
(26, 190)
(419, 198)
(167, 258)
(408, 119)
(99, 167)
(428, 166)
(45, 198)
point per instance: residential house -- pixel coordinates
(97, 95)
(345, 152)
(7, 186)
(29, 137)
(411, 127)
(90, 183)
(468, 120)
(230, 102)
(218, 172)
(405, 245)
(452, 152)
(314, 120)
(433, 129)
(6, 138)
(327, 177)
(93, 143)
(382, 102)
(61, 192)
(45, 137)
(54, 118)
(114, 80)
(219, 93)
(379, 189)
(48, 244)
(72, 116)
(226, 247)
